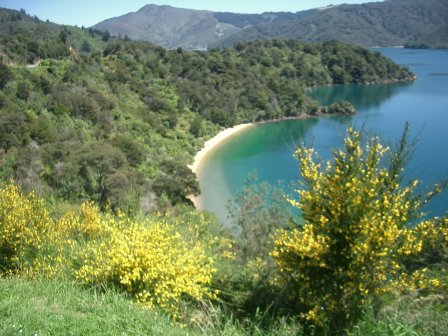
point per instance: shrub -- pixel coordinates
(32, 244)
(23, 90)
(14, 129)
(5, 75)
(159, 263)
(355, 234)
(151, 261)
(342, 107)
(25, 226)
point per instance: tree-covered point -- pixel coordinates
(117, 121)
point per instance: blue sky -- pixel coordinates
(89, 12)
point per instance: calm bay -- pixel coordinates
(383, 110)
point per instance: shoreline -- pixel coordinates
(213, 142)
(208, 146)
(228, 132)
(223, 135)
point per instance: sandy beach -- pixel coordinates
(210, 144)
(221, 136)
(224, 134)
(208, 147)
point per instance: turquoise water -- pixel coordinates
(382, 109)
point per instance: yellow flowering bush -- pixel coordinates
(151, 261)
(70, 235)
(429, 238)
(34, 244)
(159, 263)
(25, 226)
(424, 255)
(354, 231)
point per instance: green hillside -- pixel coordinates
(120, 120)
(436, 39)
(26, 39)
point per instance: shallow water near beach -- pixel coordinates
(382, 110)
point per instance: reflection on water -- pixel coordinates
(363, 97)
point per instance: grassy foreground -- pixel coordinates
(42, 307)
(33, 307)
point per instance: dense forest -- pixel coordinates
(87, 116)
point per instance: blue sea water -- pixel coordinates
(381, 109)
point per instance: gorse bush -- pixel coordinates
(158, 263)
(151, 261)
(355, 234)
(25, 226)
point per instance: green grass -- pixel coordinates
(388, 326)
(52, 308)
(414, 314)
(42, 307)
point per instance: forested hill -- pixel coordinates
(118, 121)
(387, 23)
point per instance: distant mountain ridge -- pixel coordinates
(387, 23)
(168, 26)
(172, 27)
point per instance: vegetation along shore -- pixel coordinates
(343, 108)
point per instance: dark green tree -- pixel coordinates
(106, 36)
(5, 75)
(85, 47)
